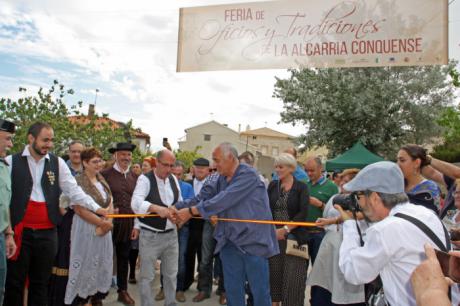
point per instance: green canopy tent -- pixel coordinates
(356, 157)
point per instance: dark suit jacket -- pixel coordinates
(297, 205)
(195, 224)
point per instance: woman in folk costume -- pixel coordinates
(91, 253)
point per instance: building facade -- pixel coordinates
(205, 137)
(267, 141)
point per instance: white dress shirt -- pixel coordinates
(197, 185)
(141, 206)
(117, 167)
(393, 248)
(67, 182)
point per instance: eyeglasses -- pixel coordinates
(165, 164)
(361, 193)
(96, 161)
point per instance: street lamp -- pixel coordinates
(95, 98)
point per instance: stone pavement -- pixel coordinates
(111, 300)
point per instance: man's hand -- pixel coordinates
(346, 215)
(163, 212)
(281, 234)
(322, 222)
(184, 215)
(10, 246)
(429, 284)
(134, 234)
(173, 214)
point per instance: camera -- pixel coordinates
(347, 202)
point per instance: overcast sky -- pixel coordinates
(127, 49)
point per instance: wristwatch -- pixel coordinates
(286, 228)
(191, 212)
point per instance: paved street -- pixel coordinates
(111, 300)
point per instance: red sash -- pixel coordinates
(35, 217)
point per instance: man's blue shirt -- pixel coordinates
(243, 197)
(186, 190)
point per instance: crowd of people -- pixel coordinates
(67, 231)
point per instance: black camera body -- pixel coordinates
(347, 202)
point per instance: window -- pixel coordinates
(275, 151)
(207, 137)
(264, 150)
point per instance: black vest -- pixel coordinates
(22, 183)
(154, 197)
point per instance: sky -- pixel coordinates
(127, 50)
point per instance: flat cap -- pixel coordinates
(384, 176)
(201, 162)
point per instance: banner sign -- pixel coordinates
(313, 33)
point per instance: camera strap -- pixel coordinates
(428, 232)
(445, 248)
(361, 241)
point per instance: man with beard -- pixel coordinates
(122, 182)
(7, 245)
(37, 179)
(393, 247)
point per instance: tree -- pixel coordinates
(49, 106)
(455, 77)
(187, 157)
(449, 120)
(381, 107)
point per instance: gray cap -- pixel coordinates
(384, 176)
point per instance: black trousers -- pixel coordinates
(133, 254)
(35, 261)
(122, 251)
(193, 251)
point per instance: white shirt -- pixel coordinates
(67, 182)
(197, 185)
(117, 167)
(393, 248)
(140, 206)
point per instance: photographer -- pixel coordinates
(393, 246)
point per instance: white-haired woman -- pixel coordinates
(288, 202)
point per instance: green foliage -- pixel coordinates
(455, 77)
(381, 107)
(450, 121)
(448, 151)
(49, 106)
(138, 156)
(187, 157)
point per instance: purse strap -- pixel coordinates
(445, 248)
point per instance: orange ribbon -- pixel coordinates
(306, 224)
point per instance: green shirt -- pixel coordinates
(5, 196)
(323, 190)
